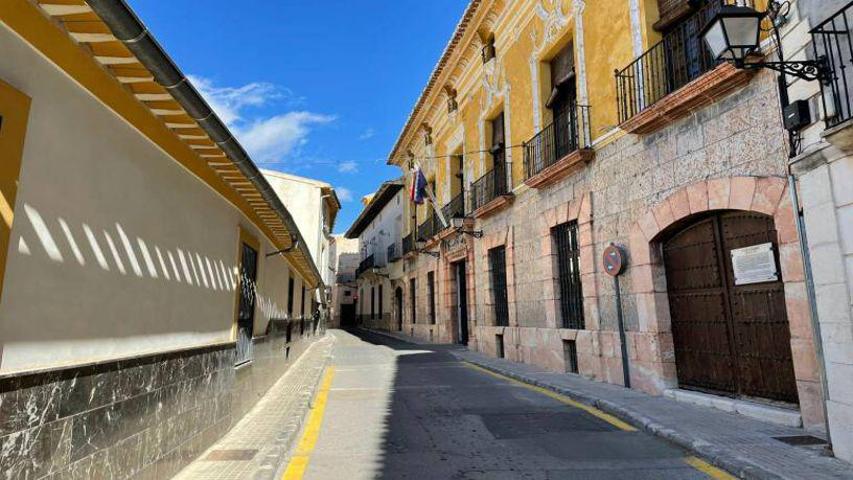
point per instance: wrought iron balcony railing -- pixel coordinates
(343, 278)
(832, 39)
(429, 227)
(454, 208)
(490, 186)
(679, 58)
(365, 265)
(567, 133)
(408, 244)
(394, 253)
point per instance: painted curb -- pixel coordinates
(285, 450)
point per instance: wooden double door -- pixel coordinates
(731, 339)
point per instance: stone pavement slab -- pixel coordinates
(255, 448)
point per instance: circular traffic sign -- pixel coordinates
(613, 260)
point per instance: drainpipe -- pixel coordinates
(129, 29)
(810, 294)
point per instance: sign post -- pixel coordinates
(614, 265)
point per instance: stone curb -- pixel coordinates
(740, 467)
(286, 443)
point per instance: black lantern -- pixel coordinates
(458, 224)
(733, 33)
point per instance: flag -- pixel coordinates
(419, 185)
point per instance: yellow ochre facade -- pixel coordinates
(598, 145)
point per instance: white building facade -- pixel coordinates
(378, 230)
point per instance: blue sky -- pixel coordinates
(314, 88)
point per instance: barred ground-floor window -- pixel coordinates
(565, 237)
(497, 264)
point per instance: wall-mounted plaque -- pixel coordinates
(755, 264)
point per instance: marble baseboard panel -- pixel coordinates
(145, 417)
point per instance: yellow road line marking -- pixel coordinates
(562, 399)
(299, 463)
(697, 463)
(708, 469)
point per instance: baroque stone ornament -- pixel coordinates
(554, 20)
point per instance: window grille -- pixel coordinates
(413, 300)
(568, 272)
(431, 296)
(497, 263)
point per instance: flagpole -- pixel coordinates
(431, 196)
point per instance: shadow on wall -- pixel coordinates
(84, 252)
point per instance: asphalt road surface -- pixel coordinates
(401, 411)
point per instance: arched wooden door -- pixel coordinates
(728, 338)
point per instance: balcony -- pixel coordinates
(558, 148)
(674, 77)
(831, 39)
(394, 253)
(490, 193)
(345, 278)
(408, 244)
(454, 208)
(365, 265)
(429, 227)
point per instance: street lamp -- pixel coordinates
(420, 244)
(733, 33)
(458, 224)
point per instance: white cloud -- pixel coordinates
(267, 139)
(229, 102)
(271, 139)
(350, 166)
(344, 194)
(369, 133)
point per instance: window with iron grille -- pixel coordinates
(413, 300)
(565, 238)
(497, 263)
(431, 296)
(290, 287)
(570, 355)
(246, 310)
(302, 302)
(372, 303)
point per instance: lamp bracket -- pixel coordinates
(805, 69)
(473, 233)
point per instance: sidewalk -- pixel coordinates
(257, 445)
(738, 444)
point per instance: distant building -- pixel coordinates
(378, 229)
(344, 259)
(314, 206)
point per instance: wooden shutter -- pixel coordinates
(563, 66)
(498, 130)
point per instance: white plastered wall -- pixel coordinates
(103, 219)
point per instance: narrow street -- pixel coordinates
(397, 410)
